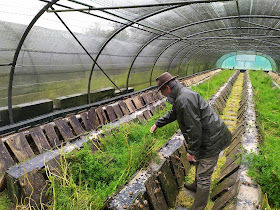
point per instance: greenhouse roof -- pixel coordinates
(125, 43)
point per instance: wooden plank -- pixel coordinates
(40, 139)
(227, 197)
(93, 118)
(183, 157)
(224, 186)
(34, 186)
(139, 203)
(228, 171)
(150, 96)
(129, 105)
(64, 129)
(86, 121)
(111, 113)
(101, 115)
(76, 125)
(145, 98)
(178, 168)
(155, 195)
(168, 183)
(147, 114)
(51, 134)
(137, 101)
(20, 147)
(5, 162)
(152, 109)
(141, 117)
(117, 110)
(124, 108)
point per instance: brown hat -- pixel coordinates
(163, 79)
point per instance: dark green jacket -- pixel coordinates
(204, 131)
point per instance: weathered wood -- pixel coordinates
(232, 156)
(51, 134)
(150, 96)
(111, 113)
(168, 183)
(152, 109)
(76, 125)
(137, 102)
(224, 185)
(156, 196)
(101, 115)
(93, 118)
(5, 162)
(227, 197)
(145, 98)
(147, 114)
(233, 144)
(141, 117)
(20, 147)
(129, 105)
(34, 187)
(124, 108)
(86, 121)
(183, 158)
(40, 139)
(178, 168)
(228, 171)
(117, 110)
(64, 129)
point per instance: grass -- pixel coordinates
(265, 167)
(5, 202)
(88, 179)
(210, 87)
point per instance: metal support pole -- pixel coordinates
(27, 30)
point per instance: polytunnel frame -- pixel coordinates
(49, 4)
(169, 45)
(195, 23)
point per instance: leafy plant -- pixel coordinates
(265, 167)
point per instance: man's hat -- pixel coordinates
(163, 79)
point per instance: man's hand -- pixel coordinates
(153, 128)
(190, 157)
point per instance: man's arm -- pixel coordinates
(169, 117)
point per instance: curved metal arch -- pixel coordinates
(23, 37)
(194, 23)
(159, 57)
(117, 32)
(205, 44)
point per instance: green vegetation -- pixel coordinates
(210, 87)
(87, 179)
(265, 167)
(5, 202)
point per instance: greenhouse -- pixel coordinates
(85, 86)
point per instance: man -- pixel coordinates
(204, 131)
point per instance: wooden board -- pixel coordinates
(141, 117)
(64, 129)
(227, 197)
(150, 96)
(40, 139)
(20, 147)
(5, 162)
(93, 118)
(147, 114)
(168, 184)
(129, 105)
(34, 186)
(183, 157)
(178, 168)
(111, 113)
(124, 108)
(155, 193)
(101, 115)
(145, 98)
(51, 134)
(137, 101)
(86, 121)
(228, 171)
(76, 125)
(152, 109)
(224, 186)
(117, 110)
